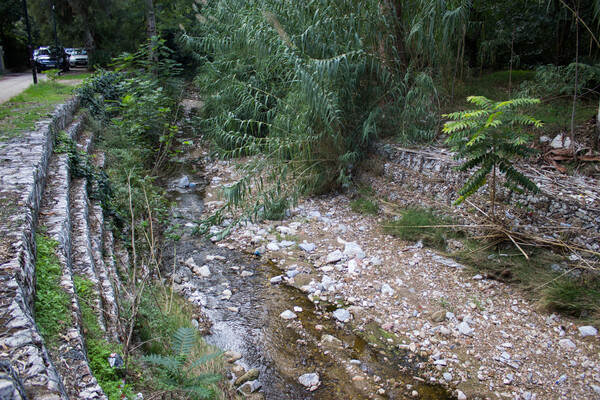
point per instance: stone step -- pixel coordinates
(84, 264)
(70, 355)
(23, 169)
(107, 279)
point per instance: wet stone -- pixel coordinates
(251, 375)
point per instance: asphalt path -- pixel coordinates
(13, 84)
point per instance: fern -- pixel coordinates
(179, 374)
(488, 139)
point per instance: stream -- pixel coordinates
(234, 291)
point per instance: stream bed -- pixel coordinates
(234, 291)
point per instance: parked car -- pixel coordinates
(78, 58)
(51, 57)
(69, 50)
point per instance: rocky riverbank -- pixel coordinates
(479, 337)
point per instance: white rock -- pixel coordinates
(297, 309)
(447, 376)
(334, 257)
(203, 271)
(557, 142)
(309, 380)
(273, 246)
(387, 290)
(326, 282)
(465, 329)
(288, 314)
(352, 266)
(341, 315)
(596, 388)
(308, 247)
(353, 250)
(247, 273)
(588, 331)
(460, 395)
(277, 279)
(287, 243)
(566, 344)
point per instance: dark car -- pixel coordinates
(51, 57)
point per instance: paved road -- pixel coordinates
(13, 84)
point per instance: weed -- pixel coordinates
(52, 74)
(365, 206)
(420, 224)
(51, 301)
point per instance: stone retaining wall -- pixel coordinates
(23, 170)
(565, 201)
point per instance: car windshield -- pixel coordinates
(79, 51)
(43, 52)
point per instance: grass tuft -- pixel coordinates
(419, 224)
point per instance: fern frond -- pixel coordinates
(184, 339)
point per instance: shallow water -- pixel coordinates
(249, 321)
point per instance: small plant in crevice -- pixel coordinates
(98, 349)
(51, 301)
(180, 372)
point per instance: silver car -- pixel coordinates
(78, 58)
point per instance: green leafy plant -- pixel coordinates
(52, 74)
(489, 138)
(51, 301)
(421, 224)
(306, 88)
(180, 372)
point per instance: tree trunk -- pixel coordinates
(151, 31)
(576, 82)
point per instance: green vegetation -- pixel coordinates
(180, 370)
(545, 277)
(489, 138)
(98, 349)
(19, 114)
(417, 224)
(52, 303)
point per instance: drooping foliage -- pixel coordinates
(488, 138)
(306, 85)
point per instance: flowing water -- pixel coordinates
(249, 322)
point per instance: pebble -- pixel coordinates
(334, 257)
(447, 376)
(251, 375)
(247, 273)
(297, 309)
(566, 344)
(465, 329)
(341, 315)
(460, 395)
(203, 271)
(588, 331)
(308, 247)
(286, 243)
(596, 388)
(309, 380)
(232, 356)
(387, 290)
(273, 246)
(292, 273)
(353, 250)
(276, 279)
(288, 314)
